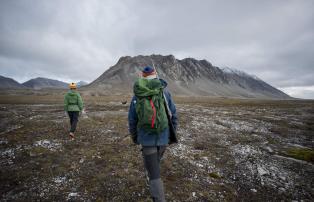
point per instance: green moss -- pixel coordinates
(200, 145)
(302, 154)
(215, 175)
(37, 151)
(272, 140)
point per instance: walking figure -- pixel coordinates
(149, 125)
(73, 105)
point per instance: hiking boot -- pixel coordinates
(71, 135)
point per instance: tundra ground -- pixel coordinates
(228, 150)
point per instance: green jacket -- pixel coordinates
(73, 101)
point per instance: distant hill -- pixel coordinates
(81, 84)
(8, 83)
(40, 83)
(185, 77)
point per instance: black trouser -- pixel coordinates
(152, 156)
(73, 120)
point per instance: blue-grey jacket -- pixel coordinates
(146, 138)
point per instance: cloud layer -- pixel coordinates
(79, 40)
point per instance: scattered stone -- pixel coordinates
(51, 145)
(72, 195)
(261, 171)
(253, 190)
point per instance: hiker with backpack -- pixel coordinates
(73, 105)
(150, 125)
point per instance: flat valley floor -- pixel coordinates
(228, 150)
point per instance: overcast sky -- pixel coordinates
(78, 40)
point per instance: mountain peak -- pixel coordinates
(123, 59)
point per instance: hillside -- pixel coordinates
(8, 83)
(40, 83)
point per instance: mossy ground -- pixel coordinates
(229, 150)
(301, 154)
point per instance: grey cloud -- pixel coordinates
(256, 37)
(81, 39)
(306, 92)
(62, 39)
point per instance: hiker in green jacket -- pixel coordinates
(73, 105)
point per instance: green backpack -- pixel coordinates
(150, 106)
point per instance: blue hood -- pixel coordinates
(164, 83)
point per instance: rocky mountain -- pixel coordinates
(40, 83)
(186, 77)
(8, 83)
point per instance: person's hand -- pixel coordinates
(66, 113)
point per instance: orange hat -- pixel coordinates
(72, 85)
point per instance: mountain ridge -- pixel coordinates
(41, 83)
(187, 76)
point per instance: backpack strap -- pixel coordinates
(154, 112)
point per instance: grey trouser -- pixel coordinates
(152, 156)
